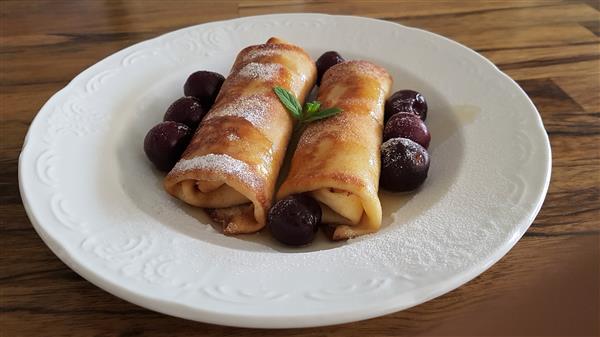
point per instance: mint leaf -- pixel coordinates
(289, 102)
(312, 107)
(323, 114)
(311, 112)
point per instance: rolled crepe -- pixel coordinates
(233, 160)
(337, 160)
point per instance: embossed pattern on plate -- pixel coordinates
(99, 205)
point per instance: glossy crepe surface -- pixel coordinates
(337, 160)
(233, 160)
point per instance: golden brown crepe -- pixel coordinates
(233, 160)
(337, 160)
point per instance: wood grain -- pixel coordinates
(547, 285)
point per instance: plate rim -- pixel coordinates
(249, 320)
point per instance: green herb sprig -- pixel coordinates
(311, 112)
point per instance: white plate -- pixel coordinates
(98, 204)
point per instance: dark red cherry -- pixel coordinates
(326, 61)
(186, 110)
(406, 101)
(404, 165)
(205, 86)
(295, 219)
(165, 143)
(407, 125)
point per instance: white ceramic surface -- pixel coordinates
(99, 205)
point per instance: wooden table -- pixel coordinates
(547, 285)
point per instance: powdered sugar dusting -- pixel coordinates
(251, 108)
(411, 150)
(261, 71)
(221, 163)
(348, 69)
(255, 53)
